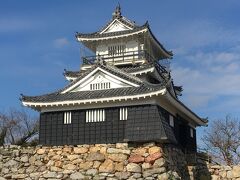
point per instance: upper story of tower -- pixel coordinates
(122, 42)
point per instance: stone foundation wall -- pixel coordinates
(101, 161)
(217, 172)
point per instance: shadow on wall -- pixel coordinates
(189, 166)
(202, 161)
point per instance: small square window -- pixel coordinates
(171, 120)
(67, 119)
(191, 132)
(123, 114)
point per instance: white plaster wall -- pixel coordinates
(131, 45)
(102, 49)
(116, 26)
(100, 78)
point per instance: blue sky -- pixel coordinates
(37, 42)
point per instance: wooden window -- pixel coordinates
(171, 120)
(67, 119)
(191, 132)
(100, 86)
(123, 114)
(97, 115)
(116, 49)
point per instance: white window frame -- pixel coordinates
(100, 86)
(67, 118)
(123, 114)
(171, 120)
(191, 132)
(95, 115)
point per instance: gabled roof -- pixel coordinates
(135, 69)
(105, 66)
(141, 89)
(132, 29)
(64, 94)
(87, 95)
(99, 36)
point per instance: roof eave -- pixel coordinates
(80, 37)
(39, 105)
(199, 121)
(168, 54)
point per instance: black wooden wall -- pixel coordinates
(54, 132)
(145, 123)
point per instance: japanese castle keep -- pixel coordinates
(124, 93)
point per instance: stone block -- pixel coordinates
(236, 171)
(41, 151)
(19, 176)
(122, 175)
(150, 172)
(133, 167)
(152, 157)
(119, 166)
(121, 145)
(70, 167)
(146, 165)
(118, 151)
(95, 156)
(159, 162)
(118, 157)
(80, 150)
(136, 158)
(140, 151)
(77, 176)
(86, 165)
(92, 172)
(154, 149)
(107, 166)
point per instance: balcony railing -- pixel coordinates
(130, 56)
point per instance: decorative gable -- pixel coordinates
(99, 79)
(115, 26)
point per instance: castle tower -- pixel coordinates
(121, 94)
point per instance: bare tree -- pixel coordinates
(6, 125)
(222, 140)
(17, 127)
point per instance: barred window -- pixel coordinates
(171, 120)
(97, 115)
(99, 86)
(123, 114)
(67, 119)
(116, 49)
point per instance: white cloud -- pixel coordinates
(61, 42)
(185, 36)
(15, 24)
(208, 75)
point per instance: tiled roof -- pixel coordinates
(84, 95)
(126, 32)
(136, 68)
(144, 87)
(123, 20)
(98, 35)
(128, 69)
(112, 69)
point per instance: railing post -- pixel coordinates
(133, 57)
